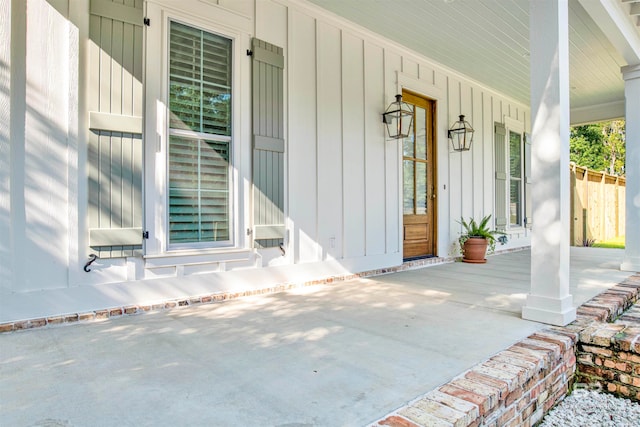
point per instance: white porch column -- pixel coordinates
(549, 300)
(631, 75)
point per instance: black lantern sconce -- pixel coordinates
(461, 135)
(398, 119)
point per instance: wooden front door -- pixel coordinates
(419, 186)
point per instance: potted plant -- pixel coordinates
(476, 238)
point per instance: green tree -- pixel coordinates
(613, 133)
(599, 146)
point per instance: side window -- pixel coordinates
(200, 137)
(511, 184)
(515, 179)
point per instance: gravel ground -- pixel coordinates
(587, 408)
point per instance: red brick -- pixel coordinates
(498, 384)
(519, 372)
(606, 352)
(621, 366)
(526, 359)
(523, 403)
(542, 355)
(71, 318)
(599, 314)
(626, 338)
(206, 299)
(482, 402)
(549, 404)
(624, 390)
(512, 397)
(470, 410)
(604, 335)
(397, 421)
(30, 324)
(552, 349)
(506, 416)
(535, 391)
(86, 316)
(102, 314)
(563, 341)
(132, 309)
(6, 327)
(57, 320)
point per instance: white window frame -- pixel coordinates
(156, 176)
(515, 126)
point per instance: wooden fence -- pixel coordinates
(597, 205)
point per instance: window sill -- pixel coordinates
(192, 256)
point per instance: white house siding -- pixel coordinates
(42, 156)
(341, 78)
(6, 271)
(342, 178)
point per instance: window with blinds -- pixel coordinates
(515, 179)
(200, 74)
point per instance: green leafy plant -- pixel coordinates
(481, 229)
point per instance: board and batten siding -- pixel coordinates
(115, 122)
(344, 187)
(38, 145)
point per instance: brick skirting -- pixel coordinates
(110, 312)
(519, 385)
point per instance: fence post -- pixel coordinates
(603, 208)
(616, 202)
(585, 201)
(572, 195)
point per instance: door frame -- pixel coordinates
(433, 129)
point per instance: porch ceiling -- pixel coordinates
(488, 40)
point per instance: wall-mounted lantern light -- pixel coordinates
(461, 135)
(398, 119)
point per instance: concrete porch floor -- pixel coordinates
(329, 355)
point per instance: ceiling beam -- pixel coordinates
(615, 22)
(597, 113)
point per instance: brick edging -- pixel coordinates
(519, 385)
(168, 304)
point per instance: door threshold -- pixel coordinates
(416, 258)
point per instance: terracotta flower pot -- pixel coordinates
(475, 248)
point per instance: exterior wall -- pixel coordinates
(342, 178)
(42, 171)
(341, 78)
(6, 271)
